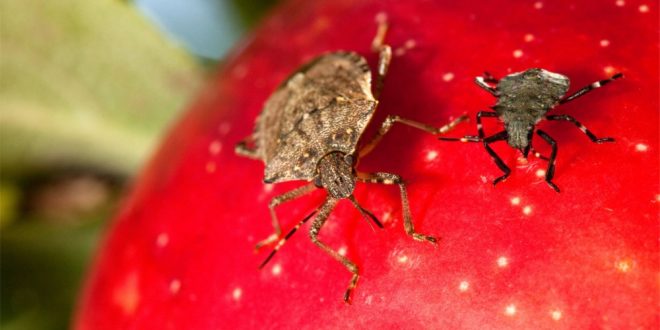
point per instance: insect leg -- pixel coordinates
(480, 129)
(384, 52)
(388, 178)
(503, 135)
(285, 238)
(245, 151)
(277, 200)
(483, 83)
(591, 136)
(319, 221)
(390, 120)
(487, 77)
(589, 88)
(550, 172)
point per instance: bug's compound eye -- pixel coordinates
(317, 182)
(349, 159)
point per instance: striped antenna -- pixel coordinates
(365, 213)
(285, 238)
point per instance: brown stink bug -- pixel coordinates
(309, 130)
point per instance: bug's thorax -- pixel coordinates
(523, 99)
(527, 96)
(335, 173)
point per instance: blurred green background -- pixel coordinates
(87, 88)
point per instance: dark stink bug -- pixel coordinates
(523, 99)
(309, 130)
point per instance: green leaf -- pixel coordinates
(86, 84)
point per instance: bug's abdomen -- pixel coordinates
(521, 107)
(519, 133)
(519, 122)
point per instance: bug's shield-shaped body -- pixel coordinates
(322, 108)
(524, 98)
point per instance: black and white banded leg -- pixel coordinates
(501, 136)
(525, 150)
(589, 88)
(550, 172)
(277, 200)
(318, 223)
(480, 129)
(579, 125)
(388, 178)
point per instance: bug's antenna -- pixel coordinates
(484, 82)
(285, 238)
(365, 213)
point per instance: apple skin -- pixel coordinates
(517, 255)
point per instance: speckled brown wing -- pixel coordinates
(323, 107)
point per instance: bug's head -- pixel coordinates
(536, 87)
(335, 173)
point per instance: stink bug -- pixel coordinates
(309, 130)
(523, 99)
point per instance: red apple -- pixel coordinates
(516, 255)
